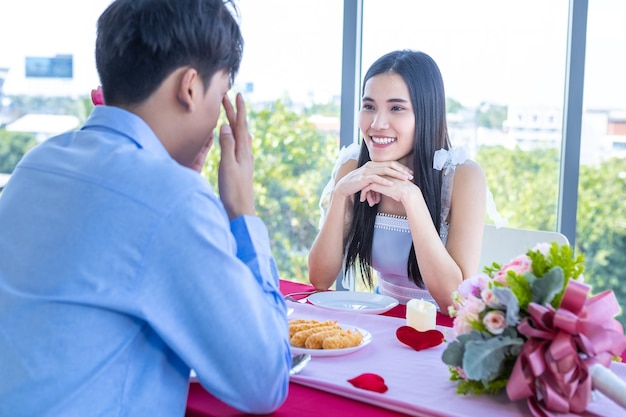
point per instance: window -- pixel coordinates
(601, 215)
(504, 63)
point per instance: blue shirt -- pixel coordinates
(120, 272)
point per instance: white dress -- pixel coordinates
(392, 238)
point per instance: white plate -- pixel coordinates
(360, 302)
(367, 338)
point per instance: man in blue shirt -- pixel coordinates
(120, 268)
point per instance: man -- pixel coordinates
(120, 269)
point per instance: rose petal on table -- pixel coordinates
(419, 340)
(370, 382)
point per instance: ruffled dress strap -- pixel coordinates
(447, 161)
(345, 154)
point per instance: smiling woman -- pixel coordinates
(419, 226)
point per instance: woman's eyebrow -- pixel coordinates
(391, 100)
(397, 100)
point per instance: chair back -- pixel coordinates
(503, 244)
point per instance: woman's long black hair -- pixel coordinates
(425, 83)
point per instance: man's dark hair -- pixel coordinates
(141, 42)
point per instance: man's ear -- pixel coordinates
(187, 88)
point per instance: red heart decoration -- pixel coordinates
(419, 340)
(370, 382)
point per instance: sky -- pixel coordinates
(487, 50)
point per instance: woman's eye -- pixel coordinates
(367, 107)
(397, 108)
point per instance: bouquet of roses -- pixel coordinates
(530, 327)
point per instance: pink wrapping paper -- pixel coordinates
(418, 381)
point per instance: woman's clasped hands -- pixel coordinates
(374, 179)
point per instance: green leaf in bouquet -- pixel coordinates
(453, 355)
(558, 255)
(484, 359)
(491, 270)
(521, 287)
(540, 263)
(546, 288)
(515, 349)
(509, 300)
(465, 387)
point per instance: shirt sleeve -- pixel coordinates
(253, 248)
(211, 293)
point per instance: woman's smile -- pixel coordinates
(383, 140)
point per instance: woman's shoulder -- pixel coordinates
(469, 167)
(468, 173)
(345, 168)
(347, 160)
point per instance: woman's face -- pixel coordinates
(386, 118)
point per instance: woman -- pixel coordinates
(407, 205)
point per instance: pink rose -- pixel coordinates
(462, 324)
(490, 298)
(520, 265)
(96, 96)
(474, 305)
(495, 321)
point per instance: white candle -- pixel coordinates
(609, 384)
(421, 315)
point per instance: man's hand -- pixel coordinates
(198, 163)
(235, 176)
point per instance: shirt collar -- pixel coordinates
(122, 122)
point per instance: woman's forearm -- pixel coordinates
(440, 272)
(326, 254)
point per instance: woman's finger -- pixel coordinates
(373, 198)
(390, 168)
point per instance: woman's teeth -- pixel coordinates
(383, 141)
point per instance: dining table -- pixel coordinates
(417, 381)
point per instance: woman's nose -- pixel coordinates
(380, 121)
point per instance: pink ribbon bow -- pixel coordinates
(552, 370)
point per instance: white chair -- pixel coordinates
(503, 244)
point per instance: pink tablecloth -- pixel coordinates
(418, 381)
